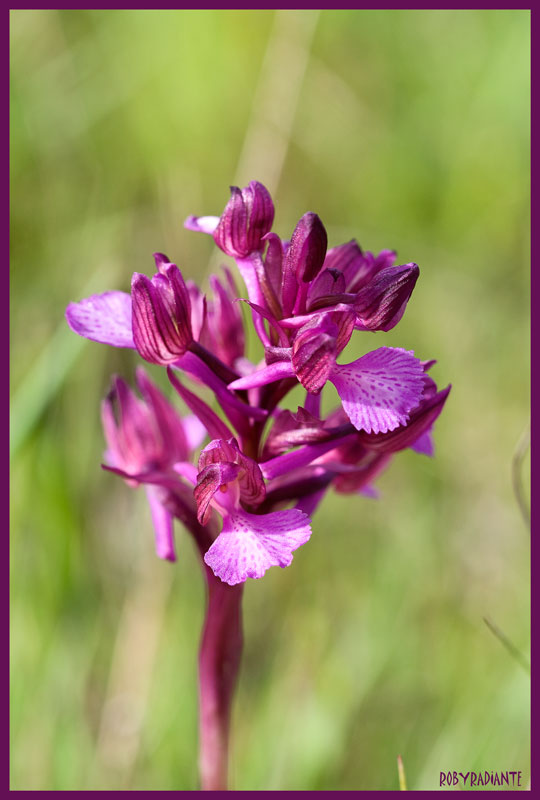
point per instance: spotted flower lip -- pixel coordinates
(248, 543)
(378, 390)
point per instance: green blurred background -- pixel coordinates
(404, 129)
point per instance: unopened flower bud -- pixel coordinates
(248, 216)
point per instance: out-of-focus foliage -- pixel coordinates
(405, 129)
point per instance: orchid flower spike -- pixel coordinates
(307, 301)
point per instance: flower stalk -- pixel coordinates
(219, 661)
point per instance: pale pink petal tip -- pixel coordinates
(201, 224)
(370, 491)
(380, 389)
(249, 543)
(194, 430)
(104, 318)
(163, 524)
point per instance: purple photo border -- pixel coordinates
(535, 315)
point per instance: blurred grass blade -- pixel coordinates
(517, 479)
(47, 374)
(516, 654)
(401, 775)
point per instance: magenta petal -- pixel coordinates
(380, 389)
(169, 426)
(104, 318)
(271, 319)
(349, 259)
(281, 465)
(273, 261)
(274, 372)
(310, 502)
(251, 543)
(329, 282)
(218, 451)
(163, 524)
(421, 421)
(234, 408)
(305, 256)
(424, 444)
(195, 431)
(213, 424)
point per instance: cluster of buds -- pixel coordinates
(266, 468)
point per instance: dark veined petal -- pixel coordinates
(218, 451)
(381, 304)
(273, 262)
(314, 353)
(248, 216)
(210, 479)
(327, 284)
(161, 315)
(250, 479)
(348, 259)
(305, 256)
(142, 435)
(225, 320)
(260, 213)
